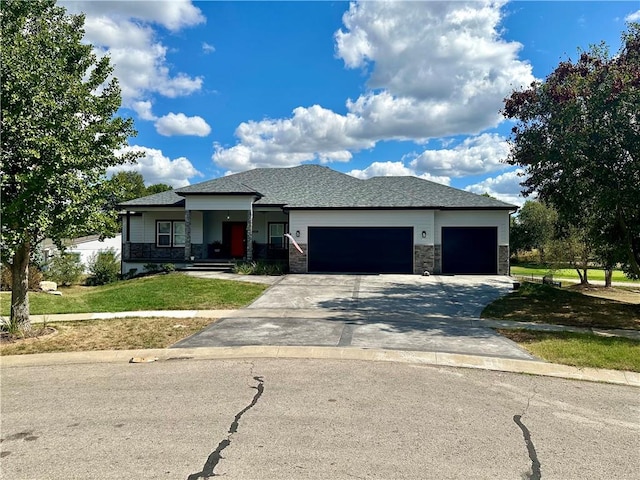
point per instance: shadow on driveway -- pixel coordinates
(400, 312)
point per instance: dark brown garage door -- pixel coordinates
(360, 249)
(470, 250)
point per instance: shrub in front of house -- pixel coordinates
(104, 268)
(259, 268)
(151, 268)
(64, 269)
(35, 277)
(168, 267)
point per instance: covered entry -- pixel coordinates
(360, 249)
(470, 250)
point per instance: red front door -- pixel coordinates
(238, 231)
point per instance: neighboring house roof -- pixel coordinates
(318, 187)
(162, 199)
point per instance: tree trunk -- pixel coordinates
(582, 273)
(19, 289)
(608, 273)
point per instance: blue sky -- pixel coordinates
(370, 88)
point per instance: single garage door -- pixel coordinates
(470, 250)
(360, 249)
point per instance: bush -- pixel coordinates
(35, 277)
(244, 268)
(64, 269)
(131, 273)
(168, 267)
(151, 267)
(258, 268)
(104, 267)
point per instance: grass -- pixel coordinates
(546, 304)
(121, 334)
(579, 349)
(173, 291)
(593, 274)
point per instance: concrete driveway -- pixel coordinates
(400, 312)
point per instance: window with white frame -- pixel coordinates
(276, 235)
(170, 233)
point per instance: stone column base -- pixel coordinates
(297, 260)
(423, 256)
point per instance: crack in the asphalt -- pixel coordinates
(536, 473)
(214, 458)
(533, 456)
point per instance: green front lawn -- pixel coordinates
(174, 291)
(546, 304)
(593, 274)
(579, 349)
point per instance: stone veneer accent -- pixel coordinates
(297, 260)
(503, 260)
(423, 259)
(437, 259)
(149, 251)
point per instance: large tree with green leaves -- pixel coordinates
(59, 134)
(577, 137)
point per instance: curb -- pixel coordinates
(617, 377)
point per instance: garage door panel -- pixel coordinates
(361, 249)
(470, 250)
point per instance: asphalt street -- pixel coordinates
(309, 419)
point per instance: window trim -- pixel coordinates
(171, 234)
(285, 240)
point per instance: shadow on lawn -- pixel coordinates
(546, 304)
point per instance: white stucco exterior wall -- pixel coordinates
(473, 218)
(420, 220)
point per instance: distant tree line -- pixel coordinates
(127, 185)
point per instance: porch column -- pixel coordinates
(187, 235)
(250, 233)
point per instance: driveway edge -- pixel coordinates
(618, 377)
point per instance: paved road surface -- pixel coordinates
(310, 419)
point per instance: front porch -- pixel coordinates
(204, 236)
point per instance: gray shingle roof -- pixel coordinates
(162, 199)
(315, 186)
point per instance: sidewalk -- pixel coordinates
(533, 367)
(217, 314)
(597, 283)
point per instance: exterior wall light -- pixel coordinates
(424, 234)
(298, 233)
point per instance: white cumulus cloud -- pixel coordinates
(395, 169)
(124, 31)
(475, 155)
(155, 167)
(633, 17)
(505, 187)
(174, 124)
(311, 133)
(173, 15)
(144, 110)
(207, 48)
(435, 69)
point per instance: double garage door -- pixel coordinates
(465, 250)
(360, 249)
